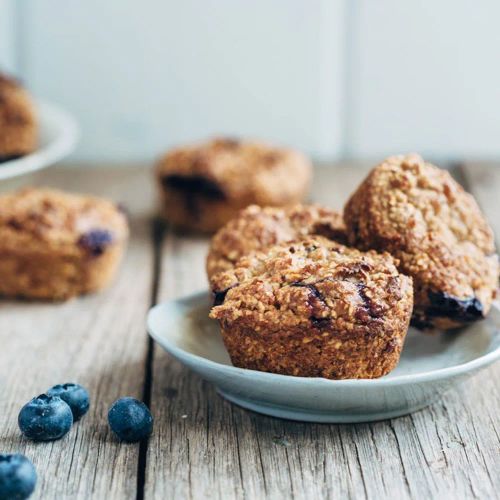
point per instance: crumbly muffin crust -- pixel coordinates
(204, 185)
(54, 245)
(18, 125)
(419, 214)
(256, 228)
(314, 308)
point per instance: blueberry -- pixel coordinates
(96, 241)
(75, 396)
(17, 477)
(45, 418)
(445, 305)
(130, 419)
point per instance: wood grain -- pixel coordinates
(202, 446)
(98, 341)
(206, 447)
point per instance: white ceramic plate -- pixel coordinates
(58, 136)
(429, 365)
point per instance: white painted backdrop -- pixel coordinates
(336, 78)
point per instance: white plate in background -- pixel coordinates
(58, 134)
(429, 366)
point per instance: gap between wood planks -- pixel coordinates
(159, 230)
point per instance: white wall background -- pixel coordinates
(336, 78)
(426, 77)
(7, 36)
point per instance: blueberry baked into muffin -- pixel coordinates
(18, 125)
(204, 185)
(314, 308)
(55, 245)
(420, 215)
(256, 228)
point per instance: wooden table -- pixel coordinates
(202, 446)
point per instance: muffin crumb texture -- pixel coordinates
(423, 217)
(55, 245)
(256, 228)
(204, 185)
(314, 308)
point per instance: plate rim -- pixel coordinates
(429, 376)
(45, 156)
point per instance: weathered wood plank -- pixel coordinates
(219, 449)
(98, 341)
(483, 181)
(203, 446)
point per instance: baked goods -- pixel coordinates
(54, 245)
(419, 214)
(256, 228)
(314, 308)
(204, 185)
(18, 126)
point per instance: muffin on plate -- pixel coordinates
(256, 228)
(423, 217)
(18, 125)
(55, 245)
(204, 185)
(314, 308)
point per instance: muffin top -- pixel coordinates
(410, 200)
(315, 282)
(256, 228)
(231, 169)
(41, 217)
(422, 216)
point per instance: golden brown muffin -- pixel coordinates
(419, 214)
(314, 308)
(55, 245)
(256, 228)
(204, 185)
(18, 125)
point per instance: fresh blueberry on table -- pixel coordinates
(130, 419)
(75, 396)
(45, 418)
(17, 477)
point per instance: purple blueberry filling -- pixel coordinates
(462, 310)
(320, 322)
(315, 294)
(5, 158)
(420, 323)
(96, 241)
(219, 297)
(196, 184)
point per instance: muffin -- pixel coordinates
(419, 214)
(18, 126)
(256, 228)
(314, 308)
(204, 185)
(55, 245)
